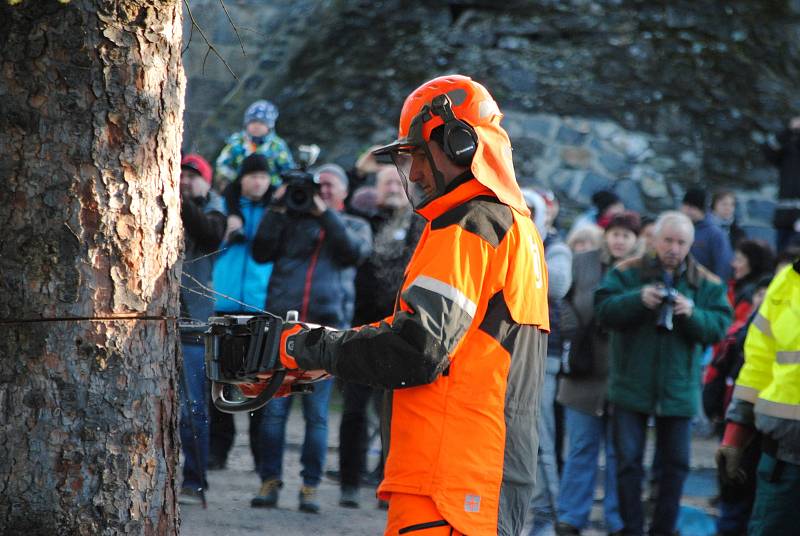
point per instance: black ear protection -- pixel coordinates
(460, 140)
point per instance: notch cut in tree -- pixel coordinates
(91, 111)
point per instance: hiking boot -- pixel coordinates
(373, 478)
(190, 496)
(333, 474)
(268, 494)
(349, 497)
(309, 502)
(565, 529)
(216, 463)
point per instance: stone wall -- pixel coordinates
(650, 96)
(268, 32)
(576, 157)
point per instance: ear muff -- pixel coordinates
(459, 140)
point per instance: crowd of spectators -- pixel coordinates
(248, 250)
(648, 315)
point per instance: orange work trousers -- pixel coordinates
(416, 515)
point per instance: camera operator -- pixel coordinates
(660, 311)
(315, 249)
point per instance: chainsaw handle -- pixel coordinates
(251, 404)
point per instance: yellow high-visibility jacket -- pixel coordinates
(767, 391)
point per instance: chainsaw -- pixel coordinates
(242, 357)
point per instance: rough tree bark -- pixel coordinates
(91, 101)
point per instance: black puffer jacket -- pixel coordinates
(315, 262)
(203, 229)
(786, 157)
(395, 236)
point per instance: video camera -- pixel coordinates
(301, 186)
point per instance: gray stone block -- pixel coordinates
(662, 164)
(528, 149)
(652, 183)
(540, 126)
(570, 136)
(761, 232)
(633, 146)
(605, 129)
(614, 164)
(631, 195)
(512, 123)
(566, 182)
(760, 210)
(591, 183)
(577, 157)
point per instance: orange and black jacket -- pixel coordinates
(463, 354)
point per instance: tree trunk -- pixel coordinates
(91, 101)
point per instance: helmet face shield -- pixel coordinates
(404, 160)
(412, 151)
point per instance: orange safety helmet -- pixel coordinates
(474, 113)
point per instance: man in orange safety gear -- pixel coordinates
(463, 353)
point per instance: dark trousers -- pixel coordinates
(194, 416)
(776, 508)
(673, 437)
(223, 431)
(354, 433)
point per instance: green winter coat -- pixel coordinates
(655, 371)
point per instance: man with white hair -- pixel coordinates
(661, 311)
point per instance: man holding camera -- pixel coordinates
(661, 311)
(315, 249)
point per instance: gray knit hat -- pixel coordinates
(334, 169)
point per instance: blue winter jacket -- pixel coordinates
(236, 273)
(712, 248)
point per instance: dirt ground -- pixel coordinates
(229, 512)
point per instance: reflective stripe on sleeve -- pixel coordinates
(777, 409)
(788, 358)
(748, 394)
(447, 291)
(763, 325)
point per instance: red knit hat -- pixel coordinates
(198, 164)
